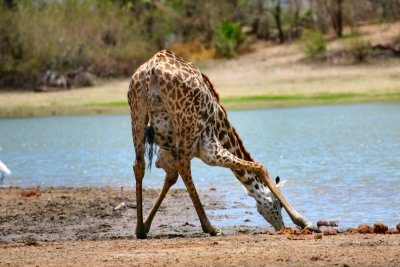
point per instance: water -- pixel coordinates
(341, 162)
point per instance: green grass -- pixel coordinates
(265, 101)
(230, 103)
(258, 101)
(290, 97)
(108, 104)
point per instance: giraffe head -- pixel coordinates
(270, 207)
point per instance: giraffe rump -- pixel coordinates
(149, 144)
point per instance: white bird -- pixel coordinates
(3, 170)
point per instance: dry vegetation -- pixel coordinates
(110, 38)
(271, 75)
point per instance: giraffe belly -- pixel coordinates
(163, 130)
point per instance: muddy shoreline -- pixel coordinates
(75, 226)
(87, 213)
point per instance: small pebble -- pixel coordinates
(329, 232)
(327, 223)
(120, 206)
(391, 232)
(318, 236)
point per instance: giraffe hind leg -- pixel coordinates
(139, 118)
(171, 176)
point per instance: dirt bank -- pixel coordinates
(50, 214)
(58, 226)
(270, 76)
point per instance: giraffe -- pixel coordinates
(175, 106)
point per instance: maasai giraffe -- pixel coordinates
(173, 104)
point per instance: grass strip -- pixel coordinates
(276, 98)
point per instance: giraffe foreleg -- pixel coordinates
(212, 153)
(183, 167)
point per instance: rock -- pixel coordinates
(30, 193)
(290, 231)
(327, 223)
(120, 206)
(391, 232)
(365, 229)
(318, 236)
(306, 232)
(350, 231)
(329, 232)
(398, 227)
(188, 224)
(80, 78)
(54, 80)
(380, 228)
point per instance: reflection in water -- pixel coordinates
(342, 162)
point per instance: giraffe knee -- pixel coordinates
(171, 178)
(138, 169)
(183, 167)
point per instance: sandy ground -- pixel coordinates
(75, 226)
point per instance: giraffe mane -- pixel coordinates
(246, 153)
(211, 87)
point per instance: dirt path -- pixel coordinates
(75, 226)
(275, 71)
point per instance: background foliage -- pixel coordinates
(112, 37)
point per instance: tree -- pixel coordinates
(337, 18)
(276, 13)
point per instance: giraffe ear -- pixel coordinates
(281, 185)
(277, 180)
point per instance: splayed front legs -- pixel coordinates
(215, 155)
(184, 170)
(293, 214)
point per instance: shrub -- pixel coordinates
(358, 49)
(63, 36)
(313, 43)
(194, 51)
(228, 37)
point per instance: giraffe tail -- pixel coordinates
(149, 144)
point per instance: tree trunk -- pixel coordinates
(277, 17)
(9, 4)
(339, 18)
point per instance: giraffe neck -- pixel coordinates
(231, 141)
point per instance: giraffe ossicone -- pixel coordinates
(180, 110)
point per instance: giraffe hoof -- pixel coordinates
(141, 234)
(312, 228)
(216, 232)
